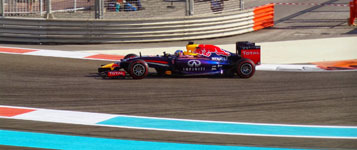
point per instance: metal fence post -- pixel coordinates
(75, 6)
(189, 7)
(2, 9)
(49, 14)
(41, 7)
(98, 6)
(9, 4)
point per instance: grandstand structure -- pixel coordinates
(115, 9)
(119, 21)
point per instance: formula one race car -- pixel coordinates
(198, 59)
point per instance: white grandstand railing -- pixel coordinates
(132, 30)
(15, 7)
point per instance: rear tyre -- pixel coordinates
(245, 68)
(138, 69)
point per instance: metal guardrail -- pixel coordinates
(135, 30)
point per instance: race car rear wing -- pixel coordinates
(248, 50)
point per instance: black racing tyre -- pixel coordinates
(138, 69)
(103, 74)
(245, 68)
(130, 56)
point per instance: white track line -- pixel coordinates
(96, 119)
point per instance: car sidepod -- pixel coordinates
(199, 66)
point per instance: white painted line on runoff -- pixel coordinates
(63, 116)
(99, 119)
(63, 54)
(277, 67)
(48, 53)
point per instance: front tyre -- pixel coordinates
(103, 74)
(245, 68)
(138, 69)
(129, 56)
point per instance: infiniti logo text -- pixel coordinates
(194, 63)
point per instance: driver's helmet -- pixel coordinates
(178, 53)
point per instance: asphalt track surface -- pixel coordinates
(316, 98)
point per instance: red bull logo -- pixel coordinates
(208, 50)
